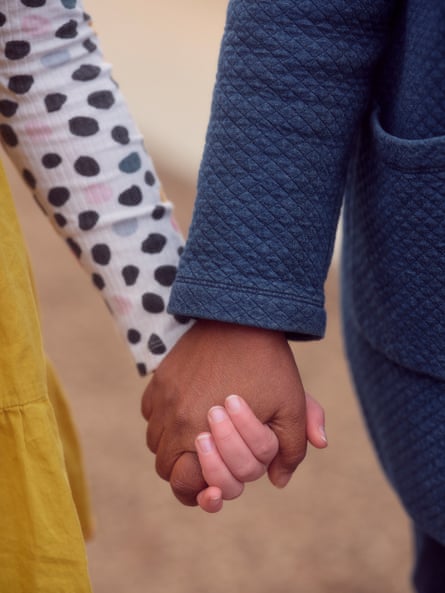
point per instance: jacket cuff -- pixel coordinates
(297, 316)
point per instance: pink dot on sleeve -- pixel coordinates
(99, 193)
(120, 304)
(38, 131)
(35, 25)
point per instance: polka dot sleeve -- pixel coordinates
(66, 127)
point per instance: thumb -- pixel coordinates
(315, 423)
(289, 425)
(186, 479)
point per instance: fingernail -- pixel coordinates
(322, 432)
(217, 414)
(204, 443)
(233, 403)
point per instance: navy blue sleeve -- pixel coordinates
(294, 80)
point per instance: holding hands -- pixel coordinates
(265, 430)
(240, 448)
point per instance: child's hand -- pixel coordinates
(240, 448)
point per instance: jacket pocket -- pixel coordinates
(395, 246)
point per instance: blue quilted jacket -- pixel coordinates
(318, 103)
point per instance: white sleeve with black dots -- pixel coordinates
(66, 127)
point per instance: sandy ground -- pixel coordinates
(336, 528)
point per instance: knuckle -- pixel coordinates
(186, 479)
(182, 489)
(151, 440)
(249, 471)
(263, 449)
(150, 443)
(162, 469)
(181, 420)
(224, 434)
(266, 449)
(235, 492)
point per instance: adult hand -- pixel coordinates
(211, 361)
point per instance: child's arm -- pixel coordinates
(239, 448)
(67, 129)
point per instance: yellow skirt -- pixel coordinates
(44, 505)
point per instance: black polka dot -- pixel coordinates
(142, 369)
(154, 243)
(61, 221)
(8, 108)
(156, 345)
(165, 275)
(8, 135)
(182, 319)
(152, 303)
(150, 179)
(58, 196)
(51, 160)
(16, 50)
(133, 336)
(20, 84)
(75, 248)
(88, 220)
(158, 212)
(131, 196)
(83, 126)
(67, 30)
(101, 99)
(54, 101)
(29, 178)
(33, 3)
(2, 19)
(89, 45)
(87, 166)
(180, 250)
(130, 275)
(86, 72)
(101, 254)
(120, 134)
(98, 281)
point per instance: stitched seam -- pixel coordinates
(253, 290)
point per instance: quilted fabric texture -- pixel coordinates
(405, 414)
(313, 98)
(293, 83)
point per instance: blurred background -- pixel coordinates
(337, 527)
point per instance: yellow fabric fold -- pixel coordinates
(44, 504)
(41, 544)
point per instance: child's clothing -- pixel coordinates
(312, 99)
(41, 544)
(66, 127)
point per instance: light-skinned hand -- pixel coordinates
(240, 448)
